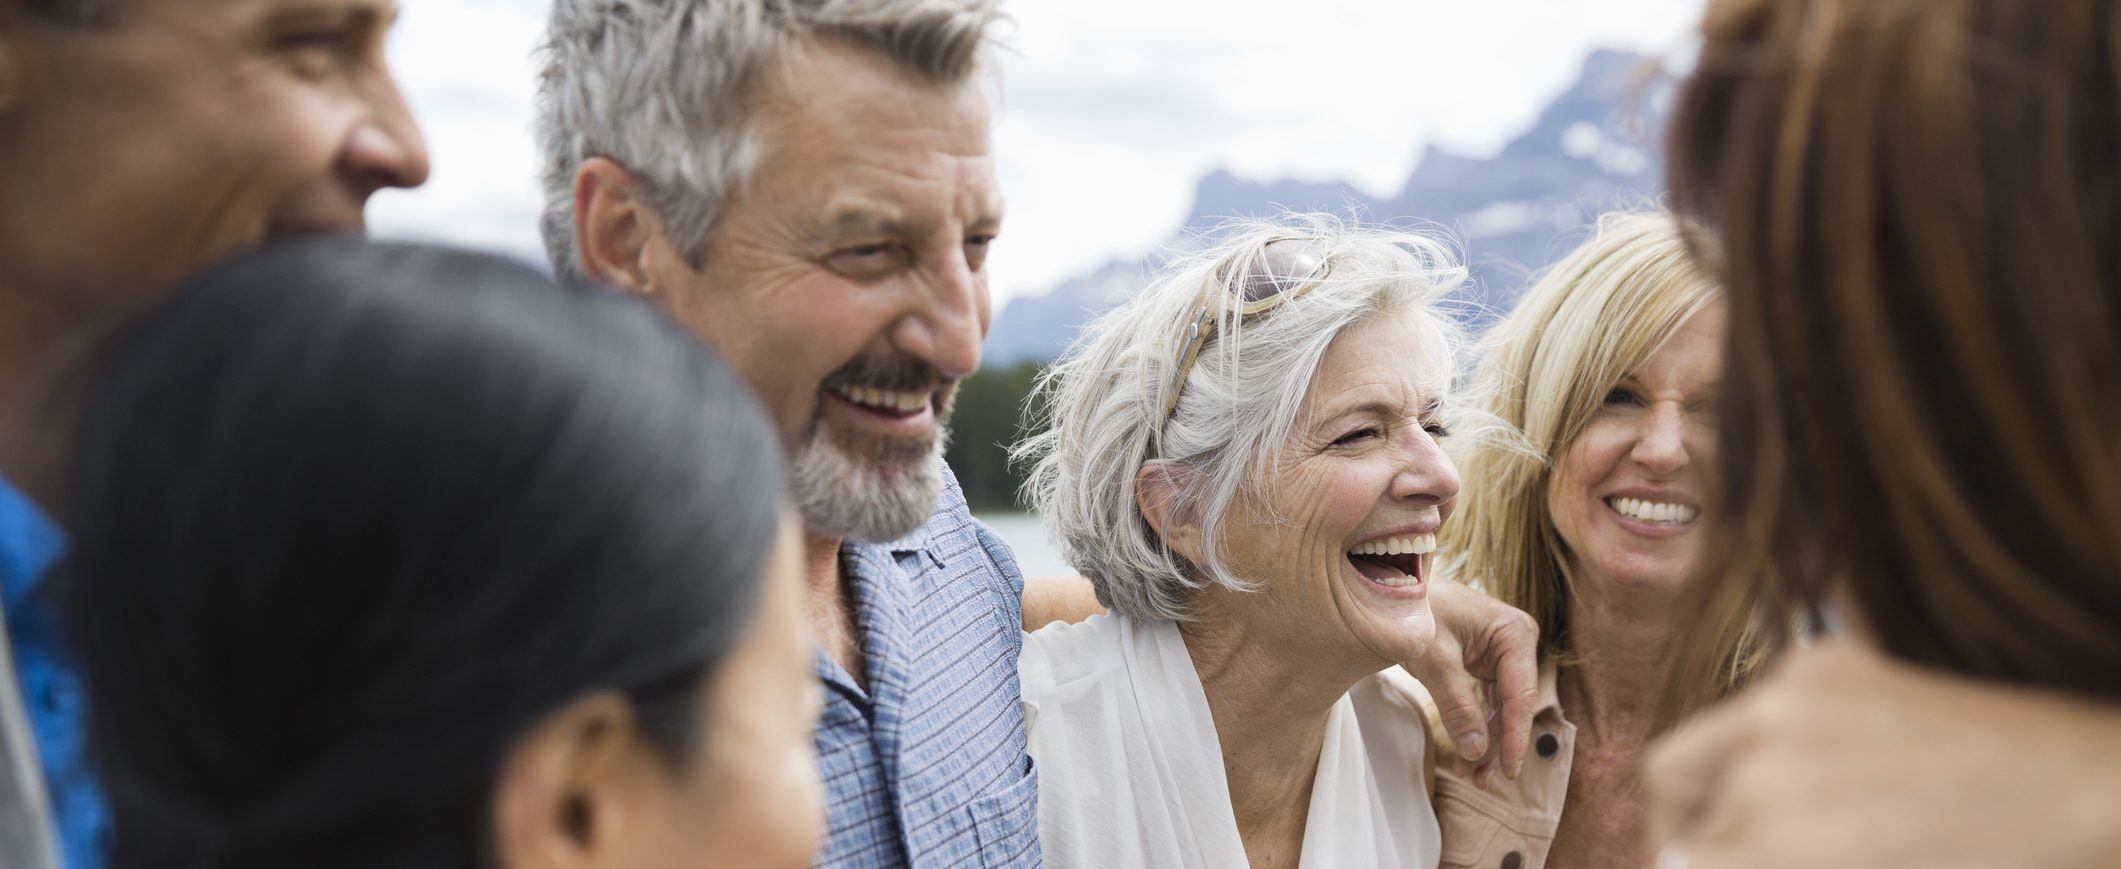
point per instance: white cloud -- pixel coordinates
(466, 69)
(1112, 109)
(1322, 91)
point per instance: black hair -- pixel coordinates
(346, 518)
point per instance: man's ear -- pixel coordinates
(1156, 496)
(567, 788)
(614, 230)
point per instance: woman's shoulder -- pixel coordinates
(1395, 693)
(1394, 702)
(1069, 653)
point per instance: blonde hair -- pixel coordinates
(1597, 315)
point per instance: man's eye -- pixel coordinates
(976, 247)
(867, 260)
(328, 36)
(317, 51)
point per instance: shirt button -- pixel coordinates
(1548, 745)
(1512, 860)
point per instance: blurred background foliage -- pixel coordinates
(988, 419)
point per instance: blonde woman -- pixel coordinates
(1590, 514)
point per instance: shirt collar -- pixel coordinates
(1548, 701)
(29, 543)
(916, 540)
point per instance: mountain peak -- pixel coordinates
(1592, 149)
(1608, 62)
(1222, 195)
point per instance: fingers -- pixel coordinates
(1457, 696)
(1516, 685)
(1500, 644)
(1485, 773)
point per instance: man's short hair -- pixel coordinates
(669, 89)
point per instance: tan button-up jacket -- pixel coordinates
(1511, 824)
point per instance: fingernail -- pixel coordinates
(1473, 745)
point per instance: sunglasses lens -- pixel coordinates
(1285, 266)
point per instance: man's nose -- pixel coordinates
(951, 321)
(385, 149)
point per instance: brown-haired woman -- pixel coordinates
(1916, 204)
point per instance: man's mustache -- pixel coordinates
(889, 371)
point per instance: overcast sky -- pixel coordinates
(1111, 109)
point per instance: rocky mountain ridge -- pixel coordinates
(1594, 148)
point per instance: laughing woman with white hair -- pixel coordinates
(1245, 462)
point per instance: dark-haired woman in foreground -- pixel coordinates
(392, 556)
(1917, 205)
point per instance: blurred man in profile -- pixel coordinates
(140, 140)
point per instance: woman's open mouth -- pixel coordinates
(1394, 562)
(1653, 512)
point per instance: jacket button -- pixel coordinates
(1513, 860)
(1548, 745)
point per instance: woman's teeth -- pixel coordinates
(1406, 544)
(895, 400)
(1653, 512)
(1393, 562)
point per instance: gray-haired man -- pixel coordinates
(808, 186)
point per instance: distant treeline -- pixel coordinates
(988, 420)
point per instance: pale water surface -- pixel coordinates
(1026, 536)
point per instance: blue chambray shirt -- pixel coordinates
(51, 690)
(929, 768)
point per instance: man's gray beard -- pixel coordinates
(875, 491)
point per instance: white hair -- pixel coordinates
(669, 89)
(1236, 408)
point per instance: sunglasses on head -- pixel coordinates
(1284, 269)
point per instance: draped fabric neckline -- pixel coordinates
(1131, 771)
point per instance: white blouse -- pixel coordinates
(1131, 774)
